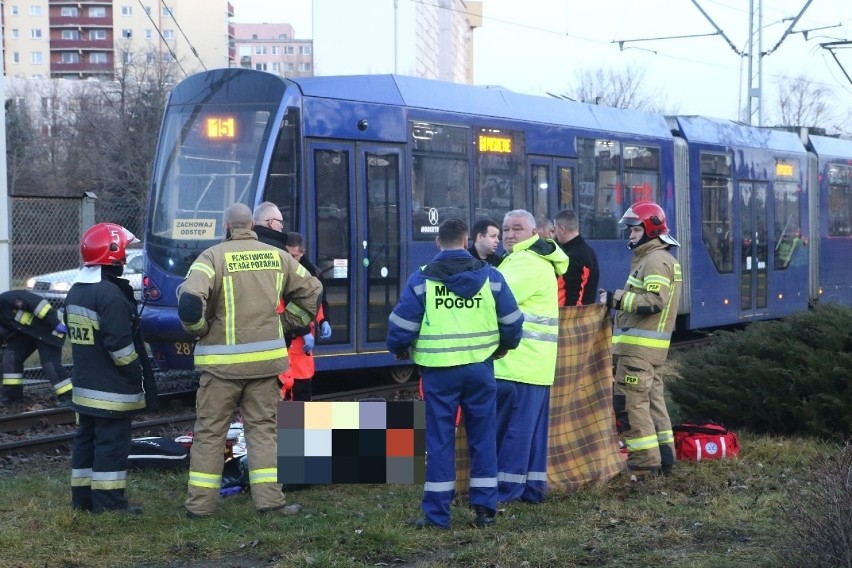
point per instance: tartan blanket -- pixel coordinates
(583, 445)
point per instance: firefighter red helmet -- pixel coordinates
(652, 218)
(105, 244)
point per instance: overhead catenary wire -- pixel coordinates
(659, 52)
(188, 41)
(160, 33)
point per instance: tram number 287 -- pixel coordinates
(183, 348)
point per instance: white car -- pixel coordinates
(54, 286)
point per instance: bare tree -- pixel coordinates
(21, 149)
(68, 137)
(38, 122)
(621, 88)
(802, 102)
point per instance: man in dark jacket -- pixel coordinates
(108, 375)
(455, 316)
(485, 235)
(28, 322)
(579, 286)
(269, 227)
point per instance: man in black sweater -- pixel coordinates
(580, 283)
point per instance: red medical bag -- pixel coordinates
(707, 441)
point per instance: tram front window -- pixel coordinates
(209, 159)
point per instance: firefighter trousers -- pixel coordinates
(99, 463)
(19, 347)
(257, 400)
(640, 410)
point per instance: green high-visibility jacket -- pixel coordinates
(531, 271)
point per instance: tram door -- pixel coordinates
(754, 266)
(357, 224)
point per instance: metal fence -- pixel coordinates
(45, 235)
(45, 232)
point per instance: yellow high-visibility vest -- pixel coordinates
(456, 330)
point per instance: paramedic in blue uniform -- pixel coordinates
(455, 316)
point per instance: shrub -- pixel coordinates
(820, 520)
(792, 376)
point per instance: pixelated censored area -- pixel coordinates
(351, 442)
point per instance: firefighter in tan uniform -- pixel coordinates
(645, 316)
(229, 300)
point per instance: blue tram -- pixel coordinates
(367, 167)
(831, 218)
(744, 195)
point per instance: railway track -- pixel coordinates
(52, 430)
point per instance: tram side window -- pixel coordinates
(599, 204)
(331, 175)
(717, 192)
(540, 185)
(566, 188)
(641, 174)
(500, 177)
(440, 179)
(788, 224)
(839, 200)
(282, 182)
(332, 221)
(440, 191)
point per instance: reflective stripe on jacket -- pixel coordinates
(29, 313)
(107, 373)
(531, 271)
(239, 284)
(467, 277)
(455, 330)
(647, 307)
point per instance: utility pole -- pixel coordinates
(5, 214)
(755, 81)
(755, 56)
(395, 36)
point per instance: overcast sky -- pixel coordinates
(536, 46)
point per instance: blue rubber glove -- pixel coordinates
(309, 343)
(61, 329)
(325, 330)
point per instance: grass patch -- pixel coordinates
(708, 514)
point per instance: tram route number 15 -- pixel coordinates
(183, 348)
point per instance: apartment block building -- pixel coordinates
(272, 48)
(427, 38)
(90, 38)
(78, 39)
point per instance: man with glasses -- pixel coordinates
(269, 225)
